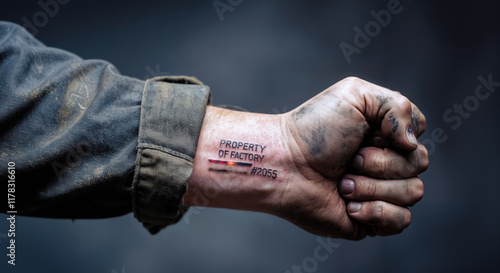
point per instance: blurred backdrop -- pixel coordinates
(269, 57)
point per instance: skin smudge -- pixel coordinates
(304, 110)
(315, 141)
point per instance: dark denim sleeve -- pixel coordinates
(88, 142)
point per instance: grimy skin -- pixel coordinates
(354, 132)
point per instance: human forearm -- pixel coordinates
(240, 162)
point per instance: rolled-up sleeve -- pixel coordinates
(88, 142)
(171, 117)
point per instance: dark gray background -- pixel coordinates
(270, 56)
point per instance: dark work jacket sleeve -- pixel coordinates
(84, 141)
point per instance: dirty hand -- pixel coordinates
(355, 135)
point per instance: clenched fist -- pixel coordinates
(343, 164)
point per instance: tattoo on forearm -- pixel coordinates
(394, 122)
(231, 152)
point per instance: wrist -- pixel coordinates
(241, 162)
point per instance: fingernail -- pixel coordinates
(353, 207)
(346, 186)
(411, 136)
(357, 162)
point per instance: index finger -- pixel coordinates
(393, 114)
(418, 123)
(389, 164)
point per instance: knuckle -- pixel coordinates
(352, 83)
(423, 158)
(419, 160)
(404, 104)
(415, 189)
(348, 85)
(379, 164)
(377, 213)
(352, 80)
(424, 165)
(369, 187)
